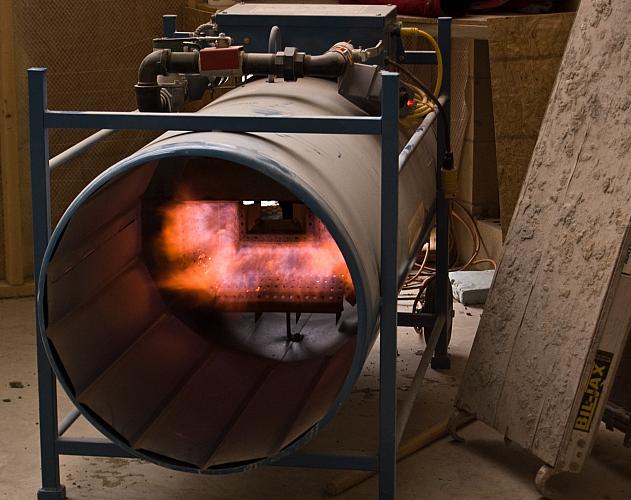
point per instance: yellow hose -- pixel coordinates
(434, 44)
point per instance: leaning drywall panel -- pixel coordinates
(545, 311)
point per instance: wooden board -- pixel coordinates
(524, 56)
(548, 308)
(478, 180)
(12, 257)
(8, 291)
(470, 27)
(516, 59)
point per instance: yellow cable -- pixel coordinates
(434, 44)
(422, 106)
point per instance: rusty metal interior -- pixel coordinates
(177, 377)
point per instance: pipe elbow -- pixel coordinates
(161, 63)
(148, 95)
(154, 64)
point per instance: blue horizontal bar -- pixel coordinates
(100, 447)
(329, 461)
(420, 57)
(365, 125)
(421, 320)
(91, 447)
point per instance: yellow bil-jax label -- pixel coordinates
(593, 392)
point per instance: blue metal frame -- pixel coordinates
(169, 27)
(52, 442)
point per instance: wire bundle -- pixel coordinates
(422, 104)
(422, 274)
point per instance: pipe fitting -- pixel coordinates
(292, 64)
(161, 63)
(328, 65)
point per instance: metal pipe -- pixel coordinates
(187, 388)
(79, 148)
(161, 63)
(417, 137)
(169, 25)
(405, 408)
(275, 44)
(68, 420)
(329, 65)
(325, 461)
(293, 65)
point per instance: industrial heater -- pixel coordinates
(208, 302)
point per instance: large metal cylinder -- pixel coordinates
(184, 359)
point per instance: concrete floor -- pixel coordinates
(482, 468)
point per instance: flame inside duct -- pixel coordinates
(208, 254)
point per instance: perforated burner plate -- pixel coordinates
(324, 294)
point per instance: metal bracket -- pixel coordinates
(417, 320)
(544, 474)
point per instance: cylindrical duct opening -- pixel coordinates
(208, 302)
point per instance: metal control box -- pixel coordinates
(309, 27)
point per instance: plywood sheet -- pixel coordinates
(563, 249)
(524, 55)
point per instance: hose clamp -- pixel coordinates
(345, 49)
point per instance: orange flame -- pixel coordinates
(201, 245)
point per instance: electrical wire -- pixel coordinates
(422, 95)
(429, 95)
(422, 274)
(476, 230)
(426, 101)
(421, 102)
(439, 56)
(419, 83)
(421, 108)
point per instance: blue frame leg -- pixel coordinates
(389, 287)
(52, 489)
(441, 359)
(58, 493)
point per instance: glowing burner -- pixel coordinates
(207, 252)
